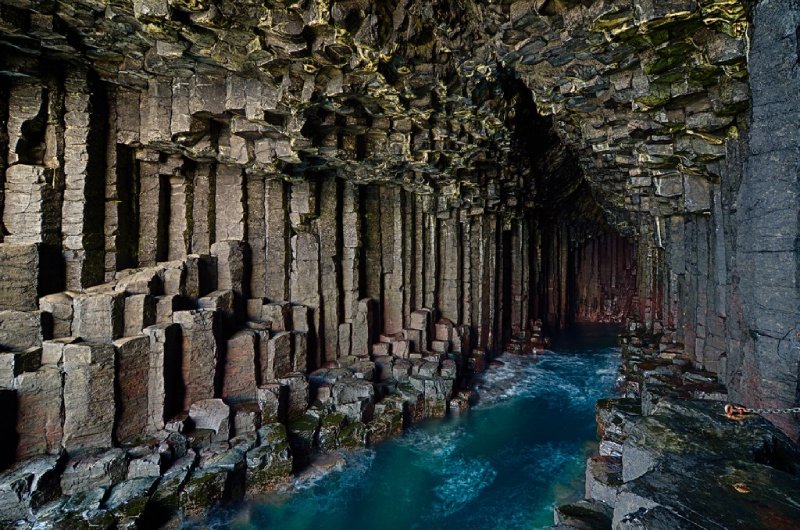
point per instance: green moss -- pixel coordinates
(659, 95)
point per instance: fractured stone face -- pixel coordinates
(99, 316)
(22, 330)
(239, 380)
(133, 366)
(19, 275)
(200, 353)
(89, 403)
(165, 389)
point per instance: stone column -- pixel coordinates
(256, 230)
(392, 258)
(277, 243)
(329, 230)
(450, 267)
(153, 194)
(39, 403)
(230, 204)
(179, 227)
(89, 403)
(82, 211)
(200, 353)
(165, 387)
(132, 376)
(203, 222)
(239, 380)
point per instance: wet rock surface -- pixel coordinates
(670, 457)
(328, 215)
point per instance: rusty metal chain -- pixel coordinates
(734, 412)
(791, 410)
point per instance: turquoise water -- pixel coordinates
(502, 465)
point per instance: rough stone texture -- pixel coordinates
(99, 316)
(494, 164)
(212, 414)
(27, 487)
(132, 367)
(165, 388)
(22, 330)
(60, 307)
(200, 331)
(240, 368)
(89, 398)
(270, 463)
(19, 275)
(140, 312)
(39, 396)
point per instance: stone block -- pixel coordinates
(60, 307)
(214, 415)
(219, 479)
(232, 258)
(201, 275)
(279, 355)
(175, 276)
(420, 319)
(364, 331)
(94, 470)
(140, 312)
(165, 389)
(380, 349)
(200, 331)
(27, 487)
(278, 314)
(15, 363)
(127, 501)
(253, 308)
(270, 463)
(272, 401)
(246, 418)
(301, 318)
(133, 366)
(99, 316)
(443, 330)
(344, 340)
(89, 402)
(20, 330)
(53, 350)
(440, 346)
(297, 392)
(239, 382)
(401, 349)
(299, 352)
(39, 403)
(448, 369)
(19, 276)
(147, 280)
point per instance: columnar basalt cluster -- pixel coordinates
(238, 230)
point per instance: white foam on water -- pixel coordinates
(340, 480)
(559, 375)
(461, 483)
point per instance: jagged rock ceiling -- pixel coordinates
(424, 93)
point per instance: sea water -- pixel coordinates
(502, 465)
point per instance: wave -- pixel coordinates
(561, 376)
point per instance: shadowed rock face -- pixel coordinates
(380, 186)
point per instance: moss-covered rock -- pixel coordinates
(269, 464)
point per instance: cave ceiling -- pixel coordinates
(486, 104)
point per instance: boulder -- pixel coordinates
(214, 415)
(93, 470)
(269, 464)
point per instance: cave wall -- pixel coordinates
(492, 163)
